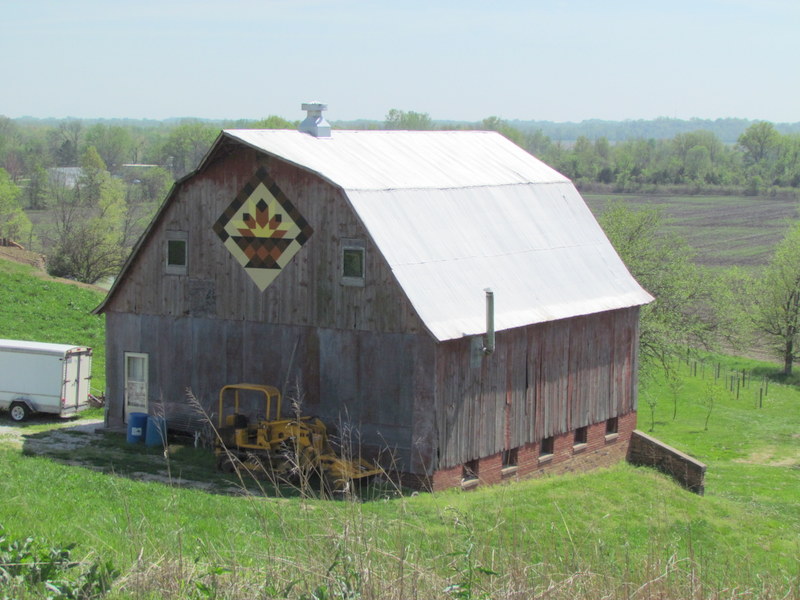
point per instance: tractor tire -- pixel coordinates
(225, 464)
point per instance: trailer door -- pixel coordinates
(135, 383)
(69, 392)
(77, 377)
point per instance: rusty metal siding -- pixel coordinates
(543, 380)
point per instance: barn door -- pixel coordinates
(135, 383)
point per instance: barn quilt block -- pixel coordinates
(262, 229)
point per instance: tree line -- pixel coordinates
(762, 161)
(699, 308)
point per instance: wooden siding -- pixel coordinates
(360, 355)
(346, 377)
(542, 381)
(307, 292)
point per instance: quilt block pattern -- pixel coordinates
(262, 229)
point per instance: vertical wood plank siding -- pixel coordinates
(345, 377)
(543, 380)
(308, 290)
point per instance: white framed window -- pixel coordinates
(177, 253)
(353, 262)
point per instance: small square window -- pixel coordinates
(546, 448)
(469, 472)
(510, 458)
(353, 262)
(612, 426)
(580, 435)
(177, 255)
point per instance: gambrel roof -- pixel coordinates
(456, 212)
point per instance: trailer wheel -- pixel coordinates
(19, 411)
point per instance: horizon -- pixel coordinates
(510, 121)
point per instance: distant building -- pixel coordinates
(355, 263)
(66, 176)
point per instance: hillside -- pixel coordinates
(38, 307)
(622, 532)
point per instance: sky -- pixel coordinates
(454, 60)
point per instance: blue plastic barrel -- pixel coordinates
(137, 424)
(156, 431)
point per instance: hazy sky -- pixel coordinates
(464, 60)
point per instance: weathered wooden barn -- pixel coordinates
(355, 264)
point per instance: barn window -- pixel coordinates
(580, 436)
(546, 448)
(353, 259)
(612, 428)
(510, 458)
(177, 256)
(469, 472)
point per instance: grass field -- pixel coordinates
(623, 532)
(724, 230)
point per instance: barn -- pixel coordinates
(444, 294)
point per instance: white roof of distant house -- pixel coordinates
(455, 212)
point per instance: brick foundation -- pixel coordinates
(600, 450)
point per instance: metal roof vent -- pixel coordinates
(315, 123)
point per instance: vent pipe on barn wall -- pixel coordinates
(488, 346)
(315, 123)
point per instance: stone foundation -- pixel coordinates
(650, 452)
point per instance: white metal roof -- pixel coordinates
(383, 160)
(456, 212)
(31, 347)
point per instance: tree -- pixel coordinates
(14, 224)
(502, 127)
(274, 122)
(147, 184)
(758, 141)
(114, 144)
(412, 121)
(663, 265)
(93, 176)
(67, 141)
(777, 301)
(36, 192)
(93, 231)
(186, 145)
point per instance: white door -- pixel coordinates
(69, 400)
(135, 383)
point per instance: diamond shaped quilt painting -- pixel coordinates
(262, 229)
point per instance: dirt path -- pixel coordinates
(60, 437)
(78, 441)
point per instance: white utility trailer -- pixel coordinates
(42, 377)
